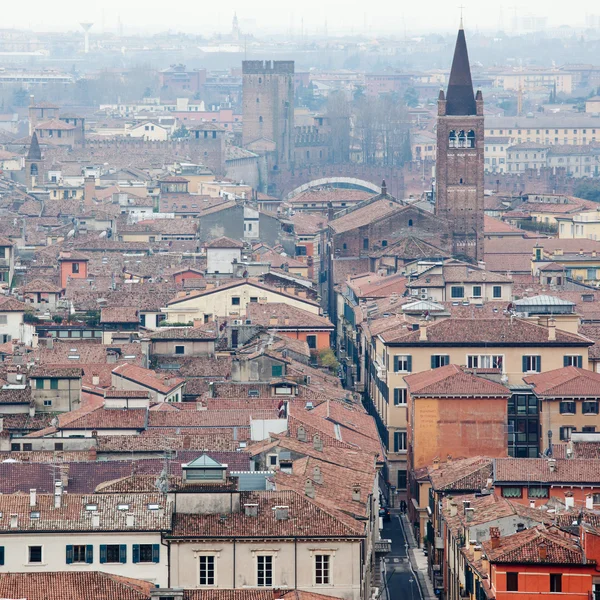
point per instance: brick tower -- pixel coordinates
(268, 107)
(460, 159)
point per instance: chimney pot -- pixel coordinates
(469, 514)
(130, 520)
(32, 497)
(14, 521)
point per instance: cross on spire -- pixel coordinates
(461, 7)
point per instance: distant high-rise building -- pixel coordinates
(460, 158)
(268, 109)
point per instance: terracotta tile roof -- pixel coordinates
(244, 594)
(225, 242)
(119, 314)
(524, 548)
(465, 475)
(509, 262)
(84, 585)
(306, 223)
(72, 515)
(568, 471)
(158, 439)
(12, 305)
(330, 194)
(452, 381)
(39, 285)
(373, 285)
(567, 382)
(191, 368)
(491, 225)
(208, 418)
(277, 260)
(15, 396)
(364, 215)
(288, 317)
(207, 332)
(306, 519)
(148, 378)
(501, 331)
(147, 484)
(109, 418)
(58, 372)
(55, 124)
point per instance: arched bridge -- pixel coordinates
(286, 184)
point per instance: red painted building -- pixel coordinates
(72, 265)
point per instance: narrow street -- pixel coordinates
(400, 582)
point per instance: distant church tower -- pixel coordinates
(460, 159)
(33, 163)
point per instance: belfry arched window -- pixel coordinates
(462, 139)
(452, 139)
(34, 169)
(471, 139)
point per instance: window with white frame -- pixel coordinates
(207, 569)
(264, 570)
(400, 442)
(485, 361)
(532, 364)
(403, 364)
(322, 569)
(399, 396)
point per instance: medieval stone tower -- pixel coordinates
(33, 164)
(460, 159)
(268, 109)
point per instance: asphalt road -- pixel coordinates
(400, 583)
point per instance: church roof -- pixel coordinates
(460, 99)
(34, 149)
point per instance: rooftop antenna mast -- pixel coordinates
(86, 36)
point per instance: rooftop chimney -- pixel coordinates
(543, 551)
(95, 379)
(495, 536)
(589, 501)
(423, 331)
(251, 510)
(95, 519)
(317, 442)
(569, 500)
(469, 512)
(477, 553)
(130, 519)
(453, 509)
(58, 494)
(356, 492)
(317, 475)
(14, 521)
(466, 504)
(532, 504)
(32, 497)
(309, 488)
(552, 464)
(551, 330)
(281, 512)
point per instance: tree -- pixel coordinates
(588, 189)
(181, 132)
(20, 97)
(327, 359)
(338, 116)
(411, 97)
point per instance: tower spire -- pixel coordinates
(34, 148)
(460, 99)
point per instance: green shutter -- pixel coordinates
(136, 553)
(433, 361)
(155, 553)
(89, 554)
(103, 554)
(524, 364)
(565, 361)
(409, 363)
(123, 553)
(396, 365)
(1, 555)
(69, 554)
(580, 362)
(538, 362)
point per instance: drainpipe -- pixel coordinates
(233, 564)
(295, 563)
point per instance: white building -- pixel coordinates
(221, 254)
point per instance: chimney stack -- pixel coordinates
(495, 537)
(453, 509)
(477, 553)
(251, 510)
(317, 475)
(551, 330)
(356, 492)
(32, 497)
(58, 494)
(423, 331)
(317, 442)
(552, 464)
(130, 519)
(469, 512)
(543, 551)
(95, 519)
(532, 504)
(589, 501)
(14, 521)
(569, 500)
(309, 489)
(466, 504)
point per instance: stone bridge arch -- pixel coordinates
(342, 182)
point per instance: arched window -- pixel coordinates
(452, 139)
(410, 222)
(258, 101)
(471, 139)
(462, 139)
(33, 169)
(260, 80)
(260, 119)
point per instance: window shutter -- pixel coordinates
(89, 554)
(524, 364)
(580, 361)
(445, 360)
(123, 553)
(102, 553)
(396, 364)
(538, 363)
(433, 361)
(1, 555)
(565, 361)
(155, 553)
(409, 364)
(396, 396)
(135, 553)
(69, 554)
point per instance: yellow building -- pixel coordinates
(582, 265)
(535, 81)
(582, 225)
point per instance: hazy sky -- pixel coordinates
(199, 16)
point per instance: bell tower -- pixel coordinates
(460, 158)
(33, 164)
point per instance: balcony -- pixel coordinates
(383, 546)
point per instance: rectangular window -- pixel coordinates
(264, 573)
(457, 291)
(39, 384)
(532, 364)
(590, 407)
(439, 360)
(485, 361)
(253, 298)
(573, 361)
(79, 553)
(402, 479)
(497, 291)
(399, 396)
(402, 364)
(35, 554)
(75, 268)
(311, 340)
(145, 553)
(588, 429)
(512, 492)
(567, 408)
(537, 492)
(54, 384)
(113, 553)
(322, 573)
(276, 370)
(565, 433)
(179, 349)
(476, 291)
(207, 570)
(235, 301)
(3, 318)
(400, 441)
(47, 402)
(556, 582)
